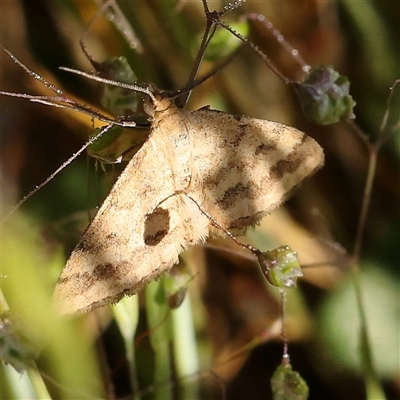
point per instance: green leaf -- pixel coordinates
(123, 104)
(117, 144)
(118, 101)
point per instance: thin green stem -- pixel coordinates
(38, 383)
(373, 157)
(372, 384)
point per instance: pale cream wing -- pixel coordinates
(140, 229)
(247, 166)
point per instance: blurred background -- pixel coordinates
(235, 313)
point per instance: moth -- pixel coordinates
(193, 165)
(235, 168)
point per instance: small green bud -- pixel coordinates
(288, 384)
(324, 96)
(280, 266)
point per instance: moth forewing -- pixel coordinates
(140, 229)
(237, 169)
(246, 166)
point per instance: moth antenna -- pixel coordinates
(55, 101)
(133, 87)
(58, 170)
(32, 73)
(69, 104)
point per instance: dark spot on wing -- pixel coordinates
(88, 246)
(91, 246)
(236, 193)
(156, 226)
(304, 138)
(242, 223)
(210, 182)
(283, 167)
(237, 135)
(83, 281)
(263, 149)
(104, 271)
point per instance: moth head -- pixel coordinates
(149, 108)
(156, 104)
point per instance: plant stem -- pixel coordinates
(185, 350)
(372, 385)
(126, 314)
(160, 339)
(373, 157)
